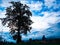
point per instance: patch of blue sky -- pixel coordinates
(0, 1)
(41, 15)
(2, 8)
(58, 15)
(57, 9)
(38, 0)
(55, 27)
(58, 25)
(53, 31)
(34, 1)
(54, 8)
(51, 9)
(58, 1)
(44, 8)
(41, 1)
(30, 1)
(37, 13)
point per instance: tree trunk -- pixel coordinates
(19, 37)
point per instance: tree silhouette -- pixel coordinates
(18, 19)
(44, 38)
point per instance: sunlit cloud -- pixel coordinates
(42, 23)
(49, 3)
(35, 6)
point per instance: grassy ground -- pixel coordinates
(35, 42)
(30, 43)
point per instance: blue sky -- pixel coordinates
(45, 15)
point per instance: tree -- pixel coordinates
(18, 18)
(43, 38)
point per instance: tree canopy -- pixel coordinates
(18, 18)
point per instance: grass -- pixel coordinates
(30, 43)
(35, 42)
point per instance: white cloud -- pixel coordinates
(52, 3)
(3, 28)
(39, 23)
(42, 23)
(2, 14)
(24, 1)
(5, 3)
(35, 6)
(49, 3)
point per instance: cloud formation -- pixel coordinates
(41, 18)
(46, 13)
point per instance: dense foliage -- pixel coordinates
(18, 19)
